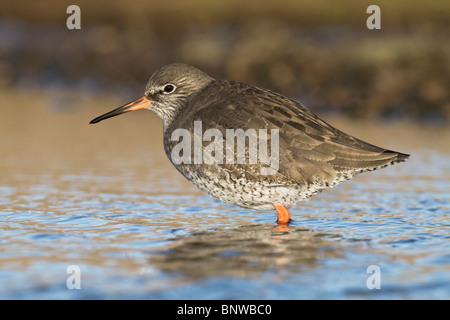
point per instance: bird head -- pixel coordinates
(166, 92)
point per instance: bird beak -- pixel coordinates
(141, 103)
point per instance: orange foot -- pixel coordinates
(284, 217)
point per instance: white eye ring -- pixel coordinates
(168, 88)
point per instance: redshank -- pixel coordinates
(307, 154)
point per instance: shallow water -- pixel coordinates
(105, 198)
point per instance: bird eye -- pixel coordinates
(169, 88)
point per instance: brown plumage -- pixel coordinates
(312, 155)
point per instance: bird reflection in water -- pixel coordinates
(246, 251)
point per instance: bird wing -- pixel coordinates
(310, 150)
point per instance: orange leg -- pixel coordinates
(283, 214)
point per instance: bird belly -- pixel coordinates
(234, 188)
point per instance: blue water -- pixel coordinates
(120, 213)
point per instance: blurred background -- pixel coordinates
(317, 51)
(105, 198)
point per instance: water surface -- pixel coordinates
(106, 199)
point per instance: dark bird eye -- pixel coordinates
(168, 88)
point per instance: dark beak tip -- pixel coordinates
(95, 120)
